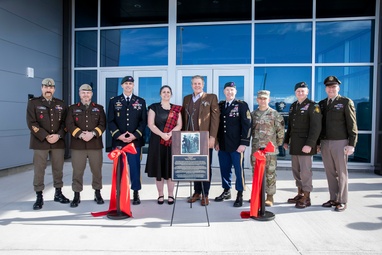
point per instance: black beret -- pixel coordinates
(300, 85)
(127, 78)
(230, 84)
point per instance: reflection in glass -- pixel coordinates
(86, 49)
(88, 77)
(356, 83)
(134, 47)
(283, 43)
(149, 89)
(239, 82)
(344, 42)
(223, 44)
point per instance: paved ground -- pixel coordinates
(59, 229)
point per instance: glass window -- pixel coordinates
(281, 9)
(86, 13)
(149, 89)
(348, 8)
(225, 44)
(86, 49)
(356, 83)
(88, 77)
(344, 42)
(362, 151)
(280, 81)
(216, 10)
(187, 88)
(127, 12)
(283, 43)
(134, 47)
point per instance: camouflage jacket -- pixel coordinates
(267, 126)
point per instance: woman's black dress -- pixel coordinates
(159, 156)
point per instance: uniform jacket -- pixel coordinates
(81, 119)
(44, 119)
(234, 126)
(123, 117)
(339, 120)
(304, 127)
(267, 127)
(208, 113)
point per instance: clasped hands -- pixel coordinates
(86, 136)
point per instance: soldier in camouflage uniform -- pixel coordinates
(267, 125)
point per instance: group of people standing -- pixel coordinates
(330, 127)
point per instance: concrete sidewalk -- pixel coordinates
(59, 229)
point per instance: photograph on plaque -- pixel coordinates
(190, 143)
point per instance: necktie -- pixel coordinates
(127, 101)
(227, 104)
(330, 101)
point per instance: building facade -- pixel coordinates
(258, 44)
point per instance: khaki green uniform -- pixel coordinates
(267, 126)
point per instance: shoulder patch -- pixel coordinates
(248, 114)
(317, 108)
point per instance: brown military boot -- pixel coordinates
(269, 200)
(299, 195)
(304, 201)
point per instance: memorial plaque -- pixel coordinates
(190, 159)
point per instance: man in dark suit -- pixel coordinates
(127, 120)
(200, 112)
(234, 135)
(46, 121)
(86, 121)
(338, 139)
(301, 137)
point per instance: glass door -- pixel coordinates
(214, 83)
(146, 85)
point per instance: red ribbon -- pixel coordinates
(258, 174)
(124, 199)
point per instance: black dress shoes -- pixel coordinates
(136, 200)
(340, 207)
(330, 203)
(76, 200)
(238, 201)
(98, 198)
(39, 201)
(224, 196)
(59, 197)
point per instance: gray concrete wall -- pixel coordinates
(30, 36)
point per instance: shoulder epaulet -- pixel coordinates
(222, 102)
(111, 97)
(33, 98)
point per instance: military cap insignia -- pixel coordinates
(248, 115)
(316, 108)
(331, 78)
(35, 129)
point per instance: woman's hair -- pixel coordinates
(165, 86)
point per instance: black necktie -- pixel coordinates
(127, 101)
(330, 101)
(226, 106)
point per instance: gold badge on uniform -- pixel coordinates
(316, 108)
(35, 129)
(248, 115)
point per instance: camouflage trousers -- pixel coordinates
(270, 173)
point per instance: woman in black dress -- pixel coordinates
(163, 118)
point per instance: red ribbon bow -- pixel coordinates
(124, 199)
(258, 174)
